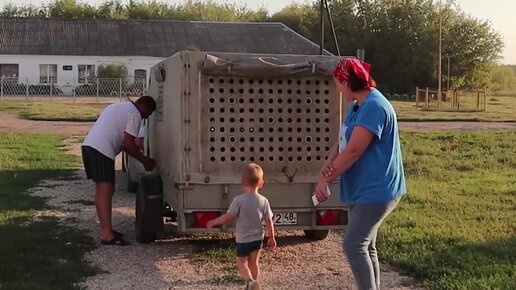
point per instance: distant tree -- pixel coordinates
(503, 78)
(11, 10)
(400, 38)
(70, 9)
(112, 71)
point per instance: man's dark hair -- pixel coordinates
(148, 101)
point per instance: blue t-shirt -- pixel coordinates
(377, 176)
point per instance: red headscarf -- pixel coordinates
(359, 68)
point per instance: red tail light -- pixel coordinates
(328, 217)
(202, 217)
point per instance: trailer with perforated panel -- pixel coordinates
(217, 112)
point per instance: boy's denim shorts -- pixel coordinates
(244, 249)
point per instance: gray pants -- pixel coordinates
(360, 242)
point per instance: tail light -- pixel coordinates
(201, 218)
(328, 217)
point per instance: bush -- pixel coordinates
(44, 89)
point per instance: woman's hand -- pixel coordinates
(320, 190)
(327, 169)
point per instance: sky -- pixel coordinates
(499, 12)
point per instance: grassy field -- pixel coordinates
(498, 109)
(456, 228)
(48, 111)
(36, 253)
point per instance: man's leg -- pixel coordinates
(103, 198)
(254, 264)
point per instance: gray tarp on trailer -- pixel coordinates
(268, 66)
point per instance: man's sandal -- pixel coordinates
(116, 241)
(118, 234)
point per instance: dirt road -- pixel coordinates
(10, 122)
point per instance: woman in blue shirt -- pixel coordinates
(367, 158)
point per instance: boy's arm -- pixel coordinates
(220, 220)
(269, 227)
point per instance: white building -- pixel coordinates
(69, 52)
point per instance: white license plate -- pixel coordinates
(285, 218)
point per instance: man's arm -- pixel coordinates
(130, 147)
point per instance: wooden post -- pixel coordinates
(458, 101)
(478, 100)
(417, 98)
(426, 98)
(484, 99)
(1, 88)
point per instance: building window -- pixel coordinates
(48, 73)
(67, 67)
(86, 74)
(8, 70)
(140, 76)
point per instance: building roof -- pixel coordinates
(159, 38)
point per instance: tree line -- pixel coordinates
(400, 37)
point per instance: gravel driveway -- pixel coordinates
(171, 263)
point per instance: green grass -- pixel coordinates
(36, 253)
(498, 109)
(456, 228)
(48, 111)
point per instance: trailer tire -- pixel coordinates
(131, 186)
(149, 209)
(316, 235)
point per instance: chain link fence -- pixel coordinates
(95, 89)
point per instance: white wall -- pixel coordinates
(28, 65)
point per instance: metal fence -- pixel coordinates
(96, 89)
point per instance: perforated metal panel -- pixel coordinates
(270, 121)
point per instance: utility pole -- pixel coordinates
(448, 78)
(321, 52)
(440, 58)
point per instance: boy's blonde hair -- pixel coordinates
(252, 175)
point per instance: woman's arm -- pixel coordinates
(357, 145)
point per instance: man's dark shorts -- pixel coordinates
(244, 249)
(98, 166)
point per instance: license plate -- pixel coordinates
(285, 218)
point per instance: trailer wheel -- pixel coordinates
(131, 186)
(316, 235)
(143, 237)
(149, 209)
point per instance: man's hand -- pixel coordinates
(148, 163)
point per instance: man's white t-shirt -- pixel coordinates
(107, 133)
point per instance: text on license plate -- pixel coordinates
(285, 218)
